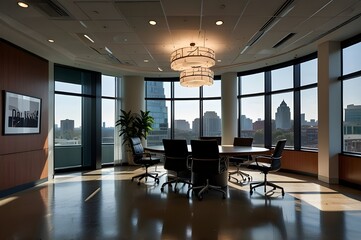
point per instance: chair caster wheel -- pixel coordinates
(138, 183)
(251, 192)
(162, 189)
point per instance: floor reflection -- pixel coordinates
(106, 204)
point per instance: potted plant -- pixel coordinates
(133, 125)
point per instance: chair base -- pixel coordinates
(206, 188)
(176, 180)
(265, 183)
(243, 175)
(146, 175)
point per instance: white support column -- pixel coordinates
(229, 107)
(133, 94)
(329, 110)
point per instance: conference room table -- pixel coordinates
(224, 151)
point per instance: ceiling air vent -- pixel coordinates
(283, 40)
(52, 8)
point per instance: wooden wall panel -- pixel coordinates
(350, 169)
(23, 158)
(300, 161)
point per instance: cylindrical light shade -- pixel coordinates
(191, 57)
(196, 77)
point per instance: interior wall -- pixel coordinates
(23, 158)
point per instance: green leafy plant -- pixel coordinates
(134, 125)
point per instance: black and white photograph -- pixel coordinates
(21, 113)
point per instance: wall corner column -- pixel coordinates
(329, 111)
(229, 107)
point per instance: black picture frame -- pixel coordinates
(22, 114)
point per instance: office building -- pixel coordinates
(283, 117)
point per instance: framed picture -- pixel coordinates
(21, 114)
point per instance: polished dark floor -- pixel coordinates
(106, 204)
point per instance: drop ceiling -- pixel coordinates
(255, 33)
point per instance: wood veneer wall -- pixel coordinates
(23, 158)
(300, 161)
(350, 169)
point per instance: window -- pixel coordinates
(309, 116)
(352, 115)
(282, 114)
(350, 56)
(68, 120)
(186, 119)
(252, 119)
(309, 72)
(177, 110)
(270, 97)
(253, 83)
(282, 78)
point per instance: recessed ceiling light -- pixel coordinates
(152, 22)
(23, 4)
(219, 22)
(50, 40)
(219, 60)
(87, 37)
(146, 60)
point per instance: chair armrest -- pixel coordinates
(189, 162)
(265, 157)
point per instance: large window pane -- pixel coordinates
(67, 120)
(309, 118)
(253, 83)
(187, 122)
(213, 90)
(185, 92)
(67, 87)
(309, 72)
(252, 119)
(108, 114)
(352, 115)
(282, 78)
(351, 59)
(212, 125)
(282, 113)
(108, 86)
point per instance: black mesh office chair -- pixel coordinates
(239, 160)
(176, 159)
(206, 163)
(142, 158)
(274, 165)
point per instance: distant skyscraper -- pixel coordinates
(158, 110)
(211, 124)
(353, 113)
(181, 125)
(283, 116)
(246, 123)
(196, 125)
(67, 129)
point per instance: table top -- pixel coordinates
(223, 149)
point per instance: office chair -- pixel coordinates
(176, 158)
(218, 138)
(239, 160)
(273, 166)
(206, 163)
(142, 158)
